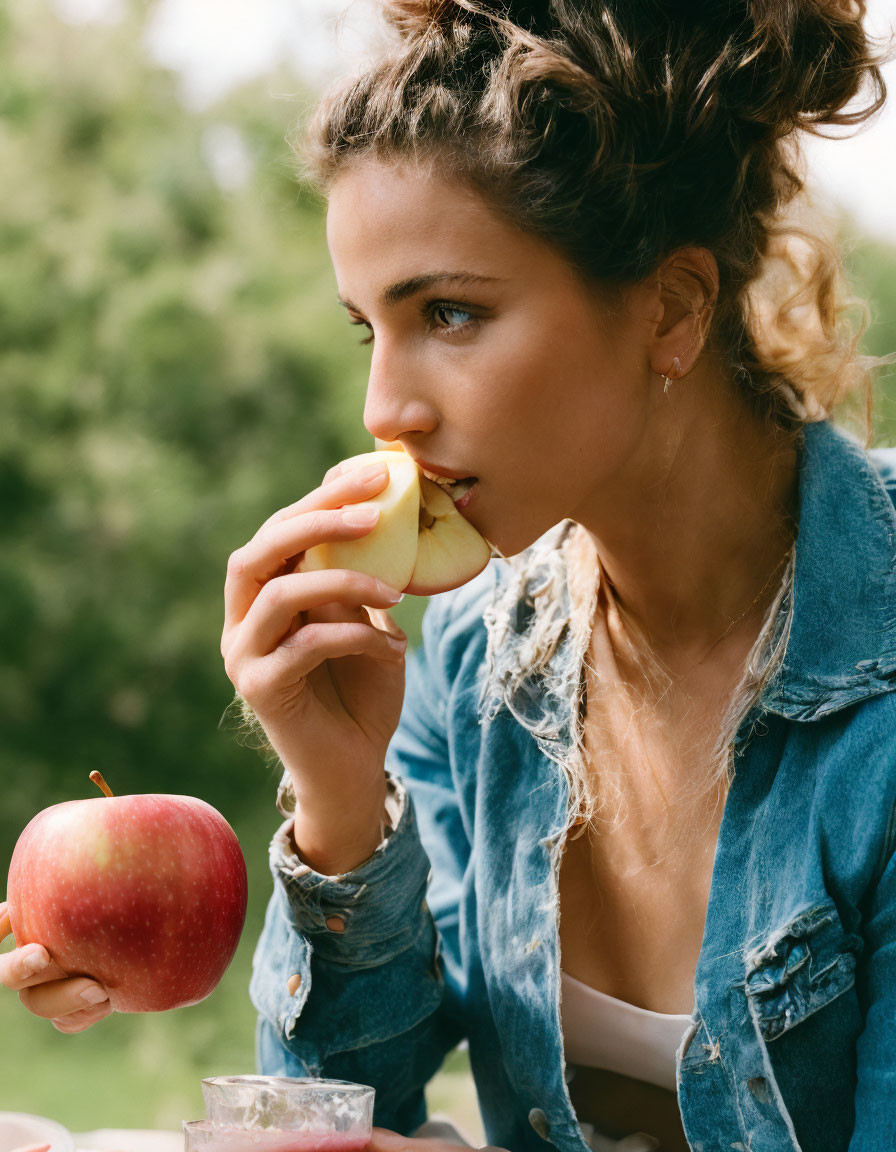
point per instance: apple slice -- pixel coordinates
(389, 550)
(421, 544)
(449, 549)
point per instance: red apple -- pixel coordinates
(145, 894)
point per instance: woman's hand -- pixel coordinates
(382, 1140)
(45, 990)
(316, 655)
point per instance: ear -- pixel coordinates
(687, 283)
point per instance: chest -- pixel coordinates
(633, 897)
(634, 883)
(634, 931)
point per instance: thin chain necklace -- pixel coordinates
(781, 563)
(731, 626)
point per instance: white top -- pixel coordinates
(600, 1031)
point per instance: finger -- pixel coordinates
(269, 621)
(269, 550)
(33, 1148)
(381, 619)
(344, 483)
(266, 555)
(354, 463)
(80, 1021)
(332, 473)
(384, 1140)
(26, 966)
(310, 647)
(30, 964)
(60, 998)
(315, 643)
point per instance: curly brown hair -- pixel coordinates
(622, 130)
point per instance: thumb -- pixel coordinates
(384, 1140)
(381, 619)
(5, 922)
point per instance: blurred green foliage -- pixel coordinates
(173, 368)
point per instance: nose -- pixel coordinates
(397, 403)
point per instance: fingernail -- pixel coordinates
(390, 593)
(360, 517)
(36, 961)
(398, 642)
(372, 472)
(94, 994)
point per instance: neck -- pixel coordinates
(694, 531)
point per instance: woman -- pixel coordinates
(610, 829)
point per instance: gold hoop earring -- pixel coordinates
(673, 374)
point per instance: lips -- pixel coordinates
(455, 484)
(462, 499)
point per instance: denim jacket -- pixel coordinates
(450, 927)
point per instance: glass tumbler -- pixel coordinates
(282, 1114)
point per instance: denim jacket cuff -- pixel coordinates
(369, 915)
(286, 806)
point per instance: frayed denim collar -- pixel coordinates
(536, 644)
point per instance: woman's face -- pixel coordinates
(490, 356)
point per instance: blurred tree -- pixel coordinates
(871, 266)
(173, 368)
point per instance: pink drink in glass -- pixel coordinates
(218, 1139)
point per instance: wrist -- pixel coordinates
(331, 860)
(333, 838)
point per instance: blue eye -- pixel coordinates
(440, 316)
(448, 319)
(447, 312)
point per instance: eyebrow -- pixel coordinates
(403, 289)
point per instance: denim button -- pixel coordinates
(539, 1122)
(335, 923)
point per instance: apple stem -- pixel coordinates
(97, 778)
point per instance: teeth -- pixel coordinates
(454, 488)
(437, 479)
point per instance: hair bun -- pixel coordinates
(413, 17)
(776, 64)
(785, 64)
